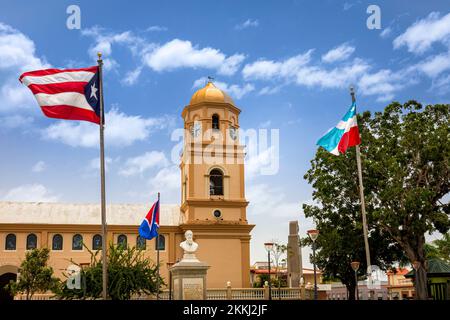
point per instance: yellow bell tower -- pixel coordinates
(213, 184)
(212, 165)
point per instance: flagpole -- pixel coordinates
(361, 194)
(102, 180)
(157, 252)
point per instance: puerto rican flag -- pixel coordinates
(149, 227)
(344, 135)
(71, 94)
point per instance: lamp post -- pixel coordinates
(355, 267)
(269, 248)
(416, 266)
(169, 265)
(313, 234)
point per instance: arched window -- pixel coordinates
(215, 121)
(77, 242)
(122, 240)
(31, 241)
(216, 182)
(162, 242)
(57, 242)
(141, 243)
(10, 243)
(97, 242)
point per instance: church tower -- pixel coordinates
(213, 184)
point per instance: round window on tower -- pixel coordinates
(217, 214)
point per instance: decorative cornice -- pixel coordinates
(214, 203)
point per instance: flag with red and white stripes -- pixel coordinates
(71, 94)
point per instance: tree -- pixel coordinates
(129, 273)
(405, 158)
(439, 248)
(337, 216)
(35, 275)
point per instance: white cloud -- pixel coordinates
(120, 130)
(268, 69)
(177, 54)
(422, 34)
(256, 164)
(38, 166)
(31, 193)
(233, 90)
(265, 124)
(301, 71)
(383, 83)
(18, 51)
(441, 85)
(339, 77)
(249, 23)
(342, 52)
(17, 55)
(386, 32)
(140, 164)
(132, 76)
(94, 164)
(435, 65)
(156, 28)
(267, 200)
(269, 90)
(15, 96)
(15, 121)
(168, 177)
(347, 6)
(104, 42)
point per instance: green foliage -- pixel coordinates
(405, 159)
(35, 275)
(439, 248)
(262, 278)
(129, 273)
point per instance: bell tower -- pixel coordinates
(213, 202)
(212, 164)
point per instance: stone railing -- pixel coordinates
(227, 293)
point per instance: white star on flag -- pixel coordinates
(94, 91)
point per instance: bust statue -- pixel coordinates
(189, 246)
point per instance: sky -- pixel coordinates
(288, 67)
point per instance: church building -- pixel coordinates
(213, 206)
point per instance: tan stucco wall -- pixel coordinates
(222, 251)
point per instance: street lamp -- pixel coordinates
(313, 234)
(169, 265)
(416, 266)
(355, 267)
(269, 248)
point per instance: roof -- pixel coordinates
(398, 272)
(88, 214)
(210, 93)
(436, 267)
(273, 270)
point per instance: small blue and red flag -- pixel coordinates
(149, 227)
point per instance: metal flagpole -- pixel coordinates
(157, 253)
(361, 193)
(102, 180)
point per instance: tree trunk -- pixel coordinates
(415, 252)
(420, 283)
(351, 291)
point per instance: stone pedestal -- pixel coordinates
(294, 257)
(189, 279)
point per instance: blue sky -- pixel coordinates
(287, 65)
